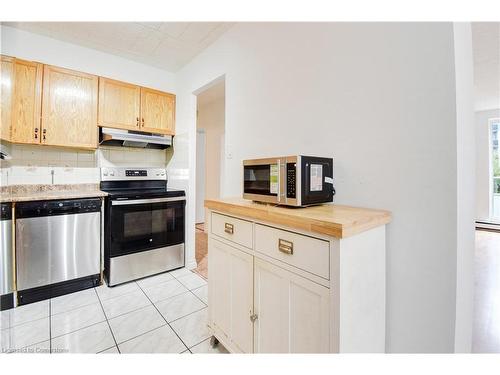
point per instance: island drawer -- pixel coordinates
(304, 252)
(232, 229)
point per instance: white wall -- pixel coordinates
(466, 186)
(483, 161)
(378, 97)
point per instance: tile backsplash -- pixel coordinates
(32, 164)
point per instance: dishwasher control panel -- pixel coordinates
(57, 207)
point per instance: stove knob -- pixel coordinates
(105, 173)
(111, 173)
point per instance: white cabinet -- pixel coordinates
(231, 294)
(292, 312)
(276, 290)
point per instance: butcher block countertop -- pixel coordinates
(26, 193)
(328, 219)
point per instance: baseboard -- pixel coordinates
(488, 226)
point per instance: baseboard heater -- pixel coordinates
(488, 226)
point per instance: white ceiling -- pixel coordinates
(166, 45)
(486, 49)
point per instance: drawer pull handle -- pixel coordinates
(228, 228)
(285, 246)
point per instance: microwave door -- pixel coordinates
(261, 182)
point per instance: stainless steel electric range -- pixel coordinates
(144, 227)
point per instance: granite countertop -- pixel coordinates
(329, 219)
(25, 193)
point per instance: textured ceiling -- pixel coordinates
(486, 49)
(166, 45)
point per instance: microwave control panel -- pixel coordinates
(291, 180)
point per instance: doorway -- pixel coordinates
(210, 155)
(486, 316)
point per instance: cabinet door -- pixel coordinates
(292, 312)
(119, 104)
(157, 112)
(6, 87)
(21, 100)
(69, 112)
(230, 294)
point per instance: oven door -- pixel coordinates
(263, 180)
(143, 224)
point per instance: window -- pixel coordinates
(495, 166)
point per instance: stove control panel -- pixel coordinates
(124, 174)
(136, 172)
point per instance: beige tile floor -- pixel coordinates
(166, 313)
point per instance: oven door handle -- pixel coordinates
(146, 201)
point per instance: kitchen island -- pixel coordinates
(296, 280)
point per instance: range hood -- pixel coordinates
(129, 138)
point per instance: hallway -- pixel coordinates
(201, 251)
(486, 324)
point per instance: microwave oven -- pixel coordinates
(291, 180)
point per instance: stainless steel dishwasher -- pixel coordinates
(58, 247)
(6, 264)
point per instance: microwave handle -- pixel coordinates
(281, 180)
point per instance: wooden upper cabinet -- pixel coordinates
(157, 111)
(21, 100)
(69, 108)
(119, 104)
(6, 87)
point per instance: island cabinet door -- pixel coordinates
(230, 295)
(292, 313)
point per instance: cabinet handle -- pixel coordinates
(253, 317)
(137, 118)
(285, 246)
(44, 132)
(143, 122)
(36, 133)
(228, 228)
